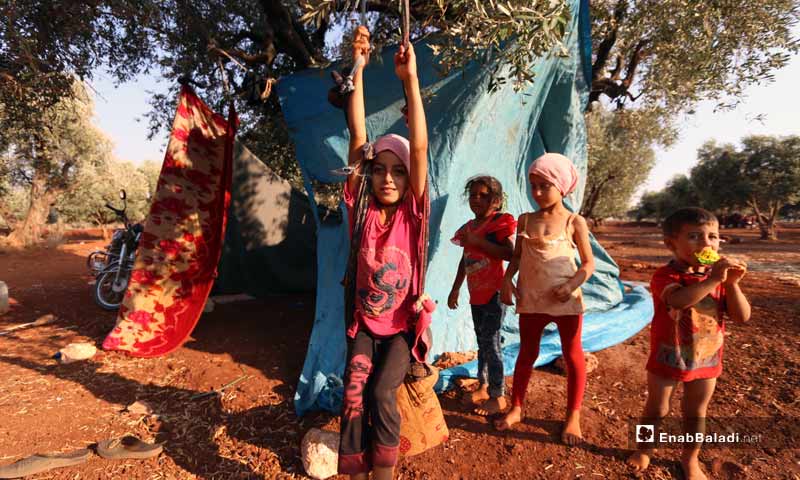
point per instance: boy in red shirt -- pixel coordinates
(687, 332)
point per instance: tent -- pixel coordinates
(471, 131)
(270, 242)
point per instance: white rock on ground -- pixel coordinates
(319, 451)
(77, 351)
(139, 407)
(4, 306)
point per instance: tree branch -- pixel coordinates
(617, 72)
(604, 49)
(636, 57)
(290, 40)
(261, 58)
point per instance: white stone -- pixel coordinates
(320, 453)
(139, 407)
(77, 351)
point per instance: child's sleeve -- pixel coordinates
(459, 235)
(505, 228)
(348, 196)
(416, 208)
(664, 281)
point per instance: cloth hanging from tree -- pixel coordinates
(180, 247)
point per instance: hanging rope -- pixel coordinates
(219, 50)
(405, 32)
(364, 12)
(225, 83)
(405, 26)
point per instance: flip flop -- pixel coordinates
(42, 462)
(128, 447)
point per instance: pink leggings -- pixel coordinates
(531, 326)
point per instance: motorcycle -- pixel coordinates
(112, 267)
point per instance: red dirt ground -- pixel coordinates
(251, 431)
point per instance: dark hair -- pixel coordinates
(686, 216)
(492, 184)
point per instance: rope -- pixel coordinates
(359, 217)
(231, 58)
(364, 12)
(405, 32)
(224, 77)
(406, 28)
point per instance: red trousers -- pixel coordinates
(531, 326)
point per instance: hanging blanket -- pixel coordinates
(180, 247)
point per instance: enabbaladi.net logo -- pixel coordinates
(735, 432)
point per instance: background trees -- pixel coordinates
(657, 56)
(762, 177)
(620, 157)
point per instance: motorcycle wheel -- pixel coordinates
(106, 294)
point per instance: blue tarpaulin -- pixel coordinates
(471, 131)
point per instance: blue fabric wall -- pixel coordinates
(471, 131)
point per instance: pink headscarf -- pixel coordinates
(556, 169)
(396, 144)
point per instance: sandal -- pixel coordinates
(42, 462)
(128, 447)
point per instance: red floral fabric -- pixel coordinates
(180, 247)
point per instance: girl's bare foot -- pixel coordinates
(492, 406)
(512, 417)
(692, 469)
(477, 397)
(639, 460)
(572, 435)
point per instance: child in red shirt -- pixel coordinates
(487, 242)
(686, 336)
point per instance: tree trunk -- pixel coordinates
(766, 225)
(29, 231)
(768, 231)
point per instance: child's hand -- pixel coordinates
(361, 44)
(719, 271)
(562, 292)
(452, 299)
(507, 291)
(736, 272)
(405, 63)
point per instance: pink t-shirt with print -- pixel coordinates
(387, 259)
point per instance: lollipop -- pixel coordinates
(707, 256)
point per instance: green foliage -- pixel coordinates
(679, 193)
(621, 156)
(52, 154)
(151, 170)
(100, 184)
(674, 53)
(762, 175)
(670, 53)
(45, 45)
(516, 33)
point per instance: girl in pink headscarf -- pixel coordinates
(548, 286)
(387, 203)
